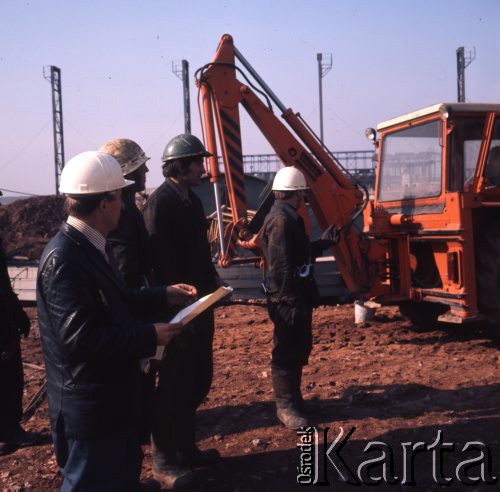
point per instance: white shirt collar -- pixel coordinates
(95, 237)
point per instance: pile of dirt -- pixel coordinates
(27, 225)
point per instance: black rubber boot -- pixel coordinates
(176, 477)
(305, 406)
(285, 391)
(169, 472)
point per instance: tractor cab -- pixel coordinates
(438, 185)
(439, 149)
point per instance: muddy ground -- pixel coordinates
(388, 381)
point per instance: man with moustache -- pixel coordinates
(180, 251)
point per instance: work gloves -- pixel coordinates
(331, 235)
(329, 238)
(17, 317)
(23, 323)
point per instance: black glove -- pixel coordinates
(23, 323)
(329, 238)
(331, 234)
(9, 350)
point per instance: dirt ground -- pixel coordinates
(390, 382)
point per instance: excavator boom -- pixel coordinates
(335, 197)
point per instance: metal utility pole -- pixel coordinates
(182, 73)
(463, 61)
(324, 66)
(53, 75)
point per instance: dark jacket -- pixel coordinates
(13, 319)
(178, 239)
(287, 252)
(129, 244)
(91, 343)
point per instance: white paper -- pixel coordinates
(190, 312)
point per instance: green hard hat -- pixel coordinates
(184, 145)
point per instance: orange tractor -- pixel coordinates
(431, 236)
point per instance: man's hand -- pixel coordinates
(328, 239)
(9, 351)
(23, 323)
(180, 294)
(331, 236)
(165, 332)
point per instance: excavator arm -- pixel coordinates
(334, 195)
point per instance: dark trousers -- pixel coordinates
(11, 389)
(184, 380)
(147, 402)
(107, 465)
(292, 338)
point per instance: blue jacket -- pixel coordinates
(90, 339)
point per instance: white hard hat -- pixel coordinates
(289, 179)
(92, 172)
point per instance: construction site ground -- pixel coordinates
(389, 381)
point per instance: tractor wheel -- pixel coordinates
(423, 315)
(487, 252)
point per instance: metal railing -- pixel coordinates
(269, 163)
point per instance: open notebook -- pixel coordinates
(188, 314)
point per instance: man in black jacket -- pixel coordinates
(180, 251)
(291, 291)
(129, 245)
(91, 341)
(13, 323)
(129, 242)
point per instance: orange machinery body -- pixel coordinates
(418, 237)
(432, 203)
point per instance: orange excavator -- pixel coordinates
(431, 236)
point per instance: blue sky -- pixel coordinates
(389, 57)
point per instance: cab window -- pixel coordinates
(410, 164)
(466, 137)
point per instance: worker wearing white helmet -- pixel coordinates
(290, 179)
(91, 341)
(291, 291)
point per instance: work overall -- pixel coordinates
(291, 296)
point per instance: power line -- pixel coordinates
(80, 133)
(20, 192)
(346, 123)
(24, 147)
(163, 133)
